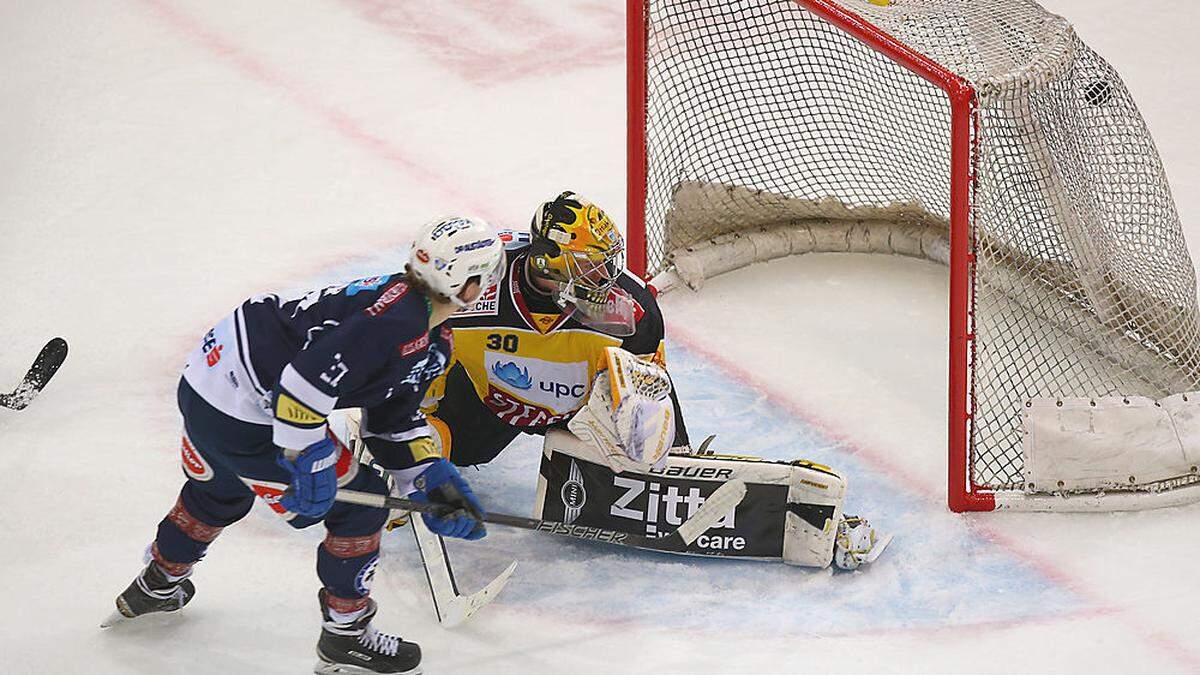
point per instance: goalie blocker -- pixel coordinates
(791, 512)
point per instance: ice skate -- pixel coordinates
(151, 592)
(857, 543)
(357, 648)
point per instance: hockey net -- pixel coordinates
(983, 135)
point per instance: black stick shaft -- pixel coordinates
(671, 542)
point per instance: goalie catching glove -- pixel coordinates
(629, 417)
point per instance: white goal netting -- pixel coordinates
(769, 128)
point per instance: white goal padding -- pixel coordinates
(1111, 443)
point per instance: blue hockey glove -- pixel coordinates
(314, 479)
(442, 484)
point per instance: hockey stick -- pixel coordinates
(44, 366)
(452, 607)
(716, 507)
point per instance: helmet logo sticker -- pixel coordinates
(481, 243)
(422, 255)
(449, 227)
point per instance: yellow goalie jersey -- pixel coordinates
(528, 364)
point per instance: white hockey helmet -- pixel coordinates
(450, 251)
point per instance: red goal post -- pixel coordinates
(997, 476)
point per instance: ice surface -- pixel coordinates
(163, 159)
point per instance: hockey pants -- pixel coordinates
(228, 463)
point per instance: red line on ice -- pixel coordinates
(461, 37)
(930, 491)
(340, 120)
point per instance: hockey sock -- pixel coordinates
(173, 571)
(182, 539)
(345, 566)
(194, 522)
(344, 618)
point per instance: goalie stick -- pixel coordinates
(716, 507)
(44, 366)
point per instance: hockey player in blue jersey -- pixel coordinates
(255, 396)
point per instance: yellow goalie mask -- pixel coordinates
(578, 249)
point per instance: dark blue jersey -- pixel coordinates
(364, 345)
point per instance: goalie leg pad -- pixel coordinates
(814, 509)
(790, 512)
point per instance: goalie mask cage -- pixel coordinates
(984, 135)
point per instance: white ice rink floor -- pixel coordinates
(160, 160)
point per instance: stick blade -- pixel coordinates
(715, 507)
(452, 608)
(47, 363)
(464, 607)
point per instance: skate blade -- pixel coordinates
(877, 549)
(323, 668)
(113, 619)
